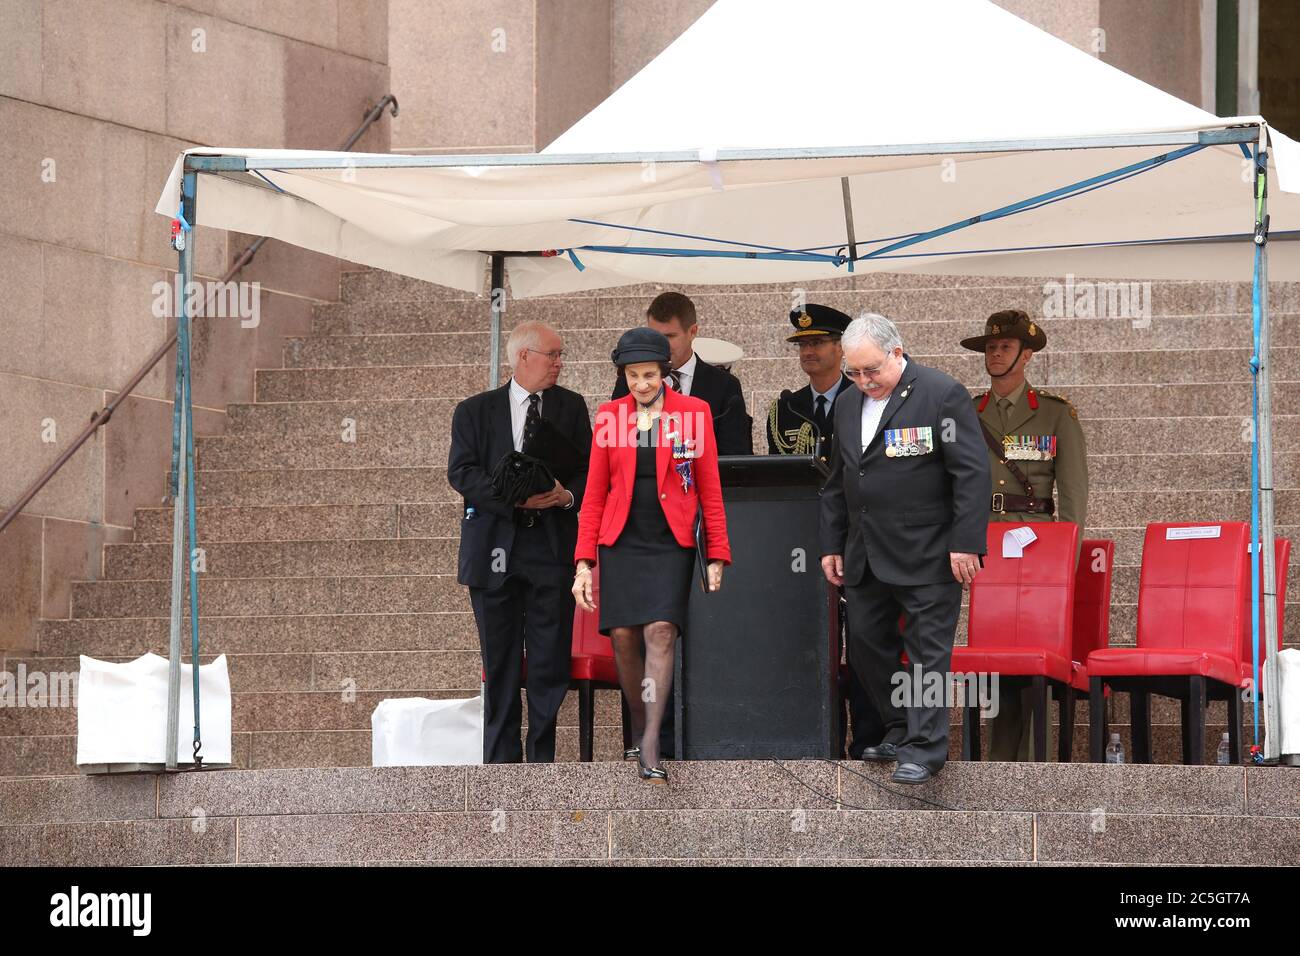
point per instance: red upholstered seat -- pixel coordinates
(591, 667)
(1163, 661)
(1092, 586)
(593, 653)
(1193, 608)
(1022, 609)
(1021, 620)
(1018, 661)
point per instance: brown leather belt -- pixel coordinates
(1019, 504)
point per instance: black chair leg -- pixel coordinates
(1194, 721)
(1139, 707)
(1065, 733)
(1038, 685)
(586, 721)
(970, 722)
(1096, 721)
(1234, 725)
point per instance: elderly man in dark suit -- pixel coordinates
(673, 314)
(517, 558)
(904, 517)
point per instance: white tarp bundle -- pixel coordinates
(122, 712)
(889, 82)
(418, 732)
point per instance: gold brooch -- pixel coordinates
(805, 320)
(995, 329)
(1032, 329)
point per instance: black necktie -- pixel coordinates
(675, 380)
(532, 420)
(819, 415)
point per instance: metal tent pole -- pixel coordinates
(179, 478)
(1271, 688)
(498, 309)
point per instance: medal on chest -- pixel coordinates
(1029, 447)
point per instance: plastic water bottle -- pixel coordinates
(1224, 758)
(1114, 750)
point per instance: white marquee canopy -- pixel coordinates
(743, 137)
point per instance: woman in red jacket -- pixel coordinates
(653, 473)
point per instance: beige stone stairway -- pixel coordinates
(330, 564)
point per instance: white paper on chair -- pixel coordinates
(122, 712)
(417, 732)
(1179, 534)
(1016, 540)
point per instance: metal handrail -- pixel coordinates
(102, 417)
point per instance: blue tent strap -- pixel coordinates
(1260, 237)
(796, 255)
(840, 260)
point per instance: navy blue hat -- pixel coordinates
(641, 345)
(817, 320)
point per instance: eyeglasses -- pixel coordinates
(872, 372)
(553, 356)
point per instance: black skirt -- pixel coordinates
(645, 575)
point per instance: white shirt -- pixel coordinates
(873, 409)
(519, 412)
(687, 373)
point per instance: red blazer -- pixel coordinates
(612, 472)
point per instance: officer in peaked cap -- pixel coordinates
(804, 424)
(1040, 447)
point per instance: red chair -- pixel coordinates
(592, 668)
(1021, 623)
(1092, 586)
(1192, 603)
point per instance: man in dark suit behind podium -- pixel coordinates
(517, 560)
(904, 517)
(673, 314)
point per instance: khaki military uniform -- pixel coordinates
(1041, 434)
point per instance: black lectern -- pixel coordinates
(759, 659)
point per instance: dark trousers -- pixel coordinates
(858, 710)
(531, 610)
(920, 732)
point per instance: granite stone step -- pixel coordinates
(296, 634)
(290, 559)
(384, 290)
(795, 811)
(280, 487)
(759, 337)
(242, 597)
(1106, 510)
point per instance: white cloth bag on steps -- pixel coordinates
(122, 712)
(418, 732)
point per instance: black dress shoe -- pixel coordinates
(881, 753)
(910, 773)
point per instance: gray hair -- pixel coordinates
(873, 327)
(526, 335)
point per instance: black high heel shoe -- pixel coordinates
(655, 775)
(631, 753)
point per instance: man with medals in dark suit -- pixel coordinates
(803, 423)
(516, 558)
(904, 520)
(673, 314)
